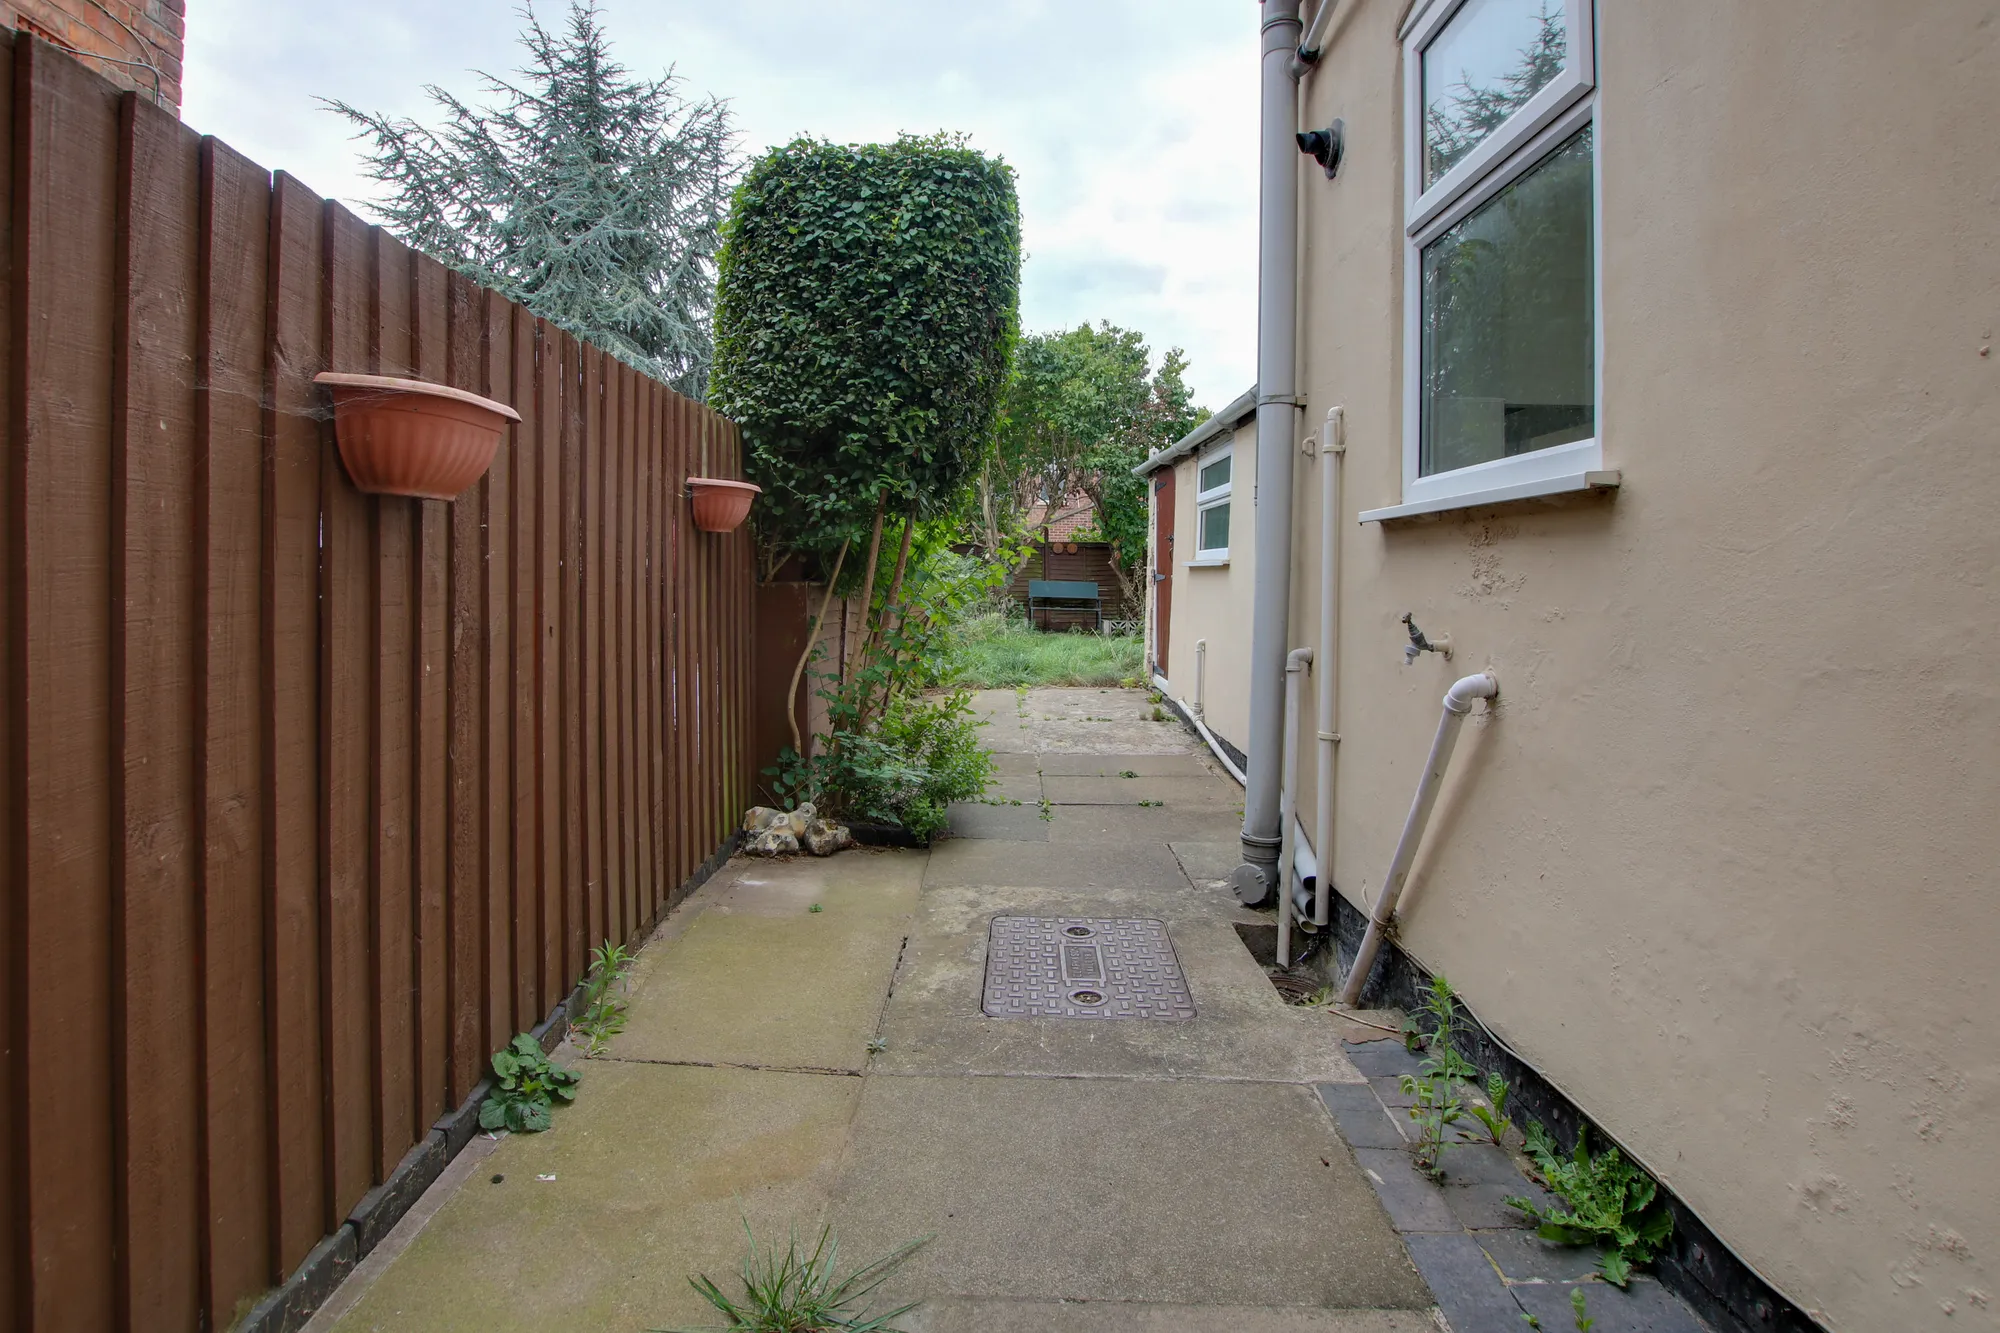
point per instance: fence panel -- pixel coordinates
(313, 797)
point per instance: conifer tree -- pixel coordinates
(593, 197)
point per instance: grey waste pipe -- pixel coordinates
(1457, 703)
(1277, 408)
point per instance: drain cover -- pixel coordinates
(1083, 967)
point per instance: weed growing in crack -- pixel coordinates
(1128, 773)
(1494, 1115)
(1611, 1202)
(793, 1290)
(526, 1088)
(1048, 808)
(1577, 1304)
(604, 1006)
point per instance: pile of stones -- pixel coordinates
(776, 832)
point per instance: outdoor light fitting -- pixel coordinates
(1325, 146)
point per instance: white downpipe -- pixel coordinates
(1332, 457)
(1308, 52)
(1457, 703)
(1200, 674)
(1296, 662)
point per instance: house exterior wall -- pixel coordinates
(1722, 861)
(150, 31)
(1213, 603)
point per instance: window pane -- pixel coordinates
(1490, 59)
(1214, 535)
(1508, 352)
(1216, 473)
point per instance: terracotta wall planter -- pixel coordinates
(409, 437)
(720, 505)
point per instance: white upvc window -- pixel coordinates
(1501, 335)
(1213, 479)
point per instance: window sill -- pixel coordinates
(1526, 490)
(1213, 562)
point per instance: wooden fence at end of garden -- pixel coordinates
(309, 799)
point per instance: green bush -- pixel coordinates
(923, 754)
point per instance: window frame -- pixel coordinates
(1215, 497)
(1561, 109)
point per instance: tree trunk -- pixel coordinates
(812, 637)
(848, 659)
(890, 605)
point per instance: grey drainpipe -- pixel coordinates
(1277, 409)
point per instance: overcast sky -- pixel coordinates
(1131, 123)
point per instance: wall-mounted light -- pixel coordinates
(1325, 146)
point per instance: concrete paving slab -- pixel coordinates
(959, 1315)
(1133, 866)
(1188, 765)
(1017, 764)
(1003, 823)
(861, 881)
(1241, 1029)
(729, 991)
(1173, 792)
(654, 1170)
(1023, 787)
(1084, 1189)
(1525, 1257)
(1123, 824)
(1363, 1122)
(1207, 858)
(1413, 1204)
(1479, 1178)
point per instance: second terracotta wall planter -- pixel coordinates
(721, 505)
(410, 437)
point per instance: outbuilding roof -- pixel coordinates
(1241, 409)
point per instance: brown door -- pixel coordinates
(1163, 564)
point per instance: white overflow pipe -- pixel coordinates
(1457, 703)
(1200, 673)
(1326, 670)
(1296, 662)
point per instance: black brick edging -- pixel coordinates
(287, 1308)
(1696, 1266)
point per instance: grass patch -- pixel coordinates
(995, 653)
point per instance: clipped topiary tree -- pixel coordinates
(866, 308)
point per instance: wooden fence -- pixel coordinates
(311, 799)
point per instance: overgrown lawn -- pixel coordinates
(995, 653)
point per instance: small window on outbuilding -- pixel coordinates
(1211, 513)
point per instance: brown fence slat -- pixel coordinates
(347, 652)
(520, 700)
(624, 616)
(157, 933)
(291, 722)
(430, 554)
(399, 1113)
(14, 1274)
(547, 651)
(576, 859)
(229, 391)
(465, 931)
(495, 314)
(67, 123)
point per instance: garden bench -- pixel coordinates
(1045, 595)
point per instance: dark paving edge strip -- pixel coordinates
(287, 1307)
(1697, 1266)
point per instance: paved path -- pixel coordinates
(1075, 1175)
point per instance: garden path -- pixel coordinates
(784, 1065)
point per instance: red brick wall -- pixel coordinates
(135, 30)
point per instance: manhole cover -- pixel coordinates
(1083, 967)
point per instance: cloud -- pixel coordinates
(1131, 124)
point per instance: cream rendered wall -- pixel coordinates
(1214, 603)
(1724, 862)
